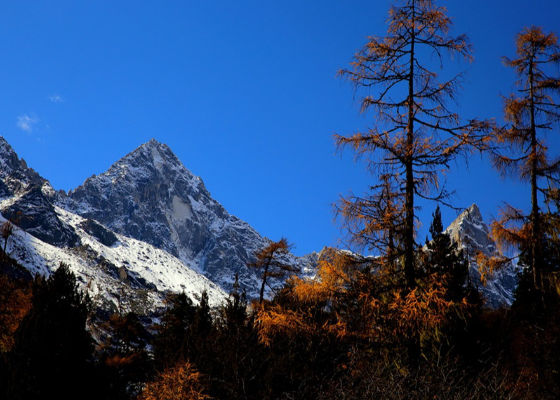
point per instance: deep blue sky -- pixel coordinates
(244, 92)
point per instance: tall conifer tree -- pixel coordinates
(415, 134)
(53, 351)
(446, 259)
(270, 260)
(531, 114)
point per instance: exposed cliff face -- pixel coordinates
(117, 271)
(33, 212)
(15, 176)
(27, 200)
(149, 195)
(470, 231)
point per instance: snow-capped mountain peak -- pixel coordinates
(150, 195)
(50, 231)
(471, 233)
(469, 229)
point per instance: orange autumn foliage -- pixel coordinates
(336, 273)
(353, 299)
(277, 320)
(422, 309)
(15, 302)
(120, 360)
(182, 382)
(310, 301)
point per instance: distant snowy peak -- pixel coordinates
(151, 196)
(471, 233)
(470, 230)
(148, 161)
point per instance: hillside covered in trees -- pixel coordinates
(404, 322)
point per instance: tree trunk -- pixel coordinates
(409, 188)
(265, 275)
(535, 215)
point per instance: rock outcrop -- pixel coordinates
(150, 196)
(471, 233)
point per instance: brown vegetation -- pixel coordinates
(405, 323)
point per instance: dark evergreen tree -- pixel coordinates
(124, 364)
(184, 333)
(234, 313)
(239, 374)
(170, 341)
(52, 356)
(446, 259)
(202, 323)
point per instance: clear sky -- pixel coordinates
(244, 92)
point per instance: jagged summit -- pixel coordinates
(107, 263)
(473, 212)
(150, 161)
(471, 233)
(153, 152)
(15, 175)
(150, 195)
(470, 230)
(9, 161)
(134, 194)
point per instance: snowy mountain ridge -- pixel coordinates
(148, 226)
(149, 195)
(128, 270)
(112, 268)
(148, 202)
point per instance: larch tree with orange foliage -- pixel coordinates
(376, 222)
(415, 134)
(182, 382)
(532, 113)
(271, 260)
(384, 303)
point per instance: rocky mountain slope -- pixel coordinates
(148, 226)
(471, 233)
(150, 196)
(117, 271)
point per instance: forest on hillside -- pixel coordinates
(405, 324)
